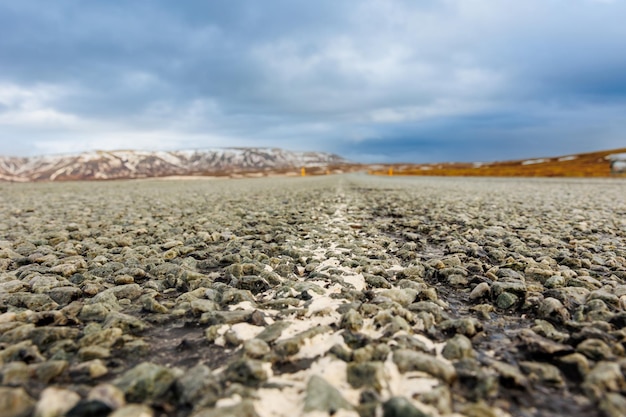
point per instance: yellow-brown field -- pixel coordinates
(594, 164)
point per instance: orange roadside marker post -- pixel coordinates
(391, 172)
(302, 171)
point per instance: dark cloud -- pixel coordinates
(401, 80)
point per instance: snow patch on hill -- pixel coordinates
(141, 164)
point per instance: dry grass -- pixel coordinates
(592, 164)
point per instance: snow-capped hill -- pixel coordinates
(143, 164)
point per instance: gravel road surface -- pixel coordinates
(341, 295)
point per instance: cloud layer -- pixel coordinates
(372, 80)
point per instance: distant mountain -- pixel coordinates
(126, 164)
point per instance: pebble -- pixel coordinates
(15, 402)
(55, 402)
(322, 396)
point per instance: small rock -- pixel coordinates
(480, 292)
(65, 295)
(89, 408)
(468, 326)
(401, 407)
(55, 402)
(574, 366)
(94, 368)
(254, 284)
(200, 306)
(366, 374)
(553, 310)
(543, 372)
(546, 329)
(149, 303)
(439, 397)
(243, 409)
(199, 387)
(612, 405)
(133, 410)
(458, 347)
(256, 348)
(49, 370)
(322, 396)
(15, 402)
(604, 377)
(539, 345)
(108, 394)
(404, 297)
(514, 287)
(94, 312)
(145, 381)
(249, 372)
(408, 360)
(93, 352)
(123, 321)
(106, 338)
(556, 281)
(595, 349)
(509, 374)
(16, 373)
(352, 321)
(507, 300)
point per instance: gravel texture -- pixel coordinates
(340, 295)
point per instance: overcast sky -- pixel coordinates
(372, 80)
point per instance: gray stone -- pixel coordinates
(256, 348)
(125, 322)
(507, 300)
(94, 312)
(514, 287)
(145, 381)
(106, 338)
(252, 283)
(466, 326)
(553, 310)
(401, 407)
(408, 360)
(366, 374)
(352, 320)
(249, 372)
(322, 396)
(404, 297)
(556, 281)
(200, 306)
(543, 372)
(458, 347)
(65, 295)
(149, 303)
(199, 387)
